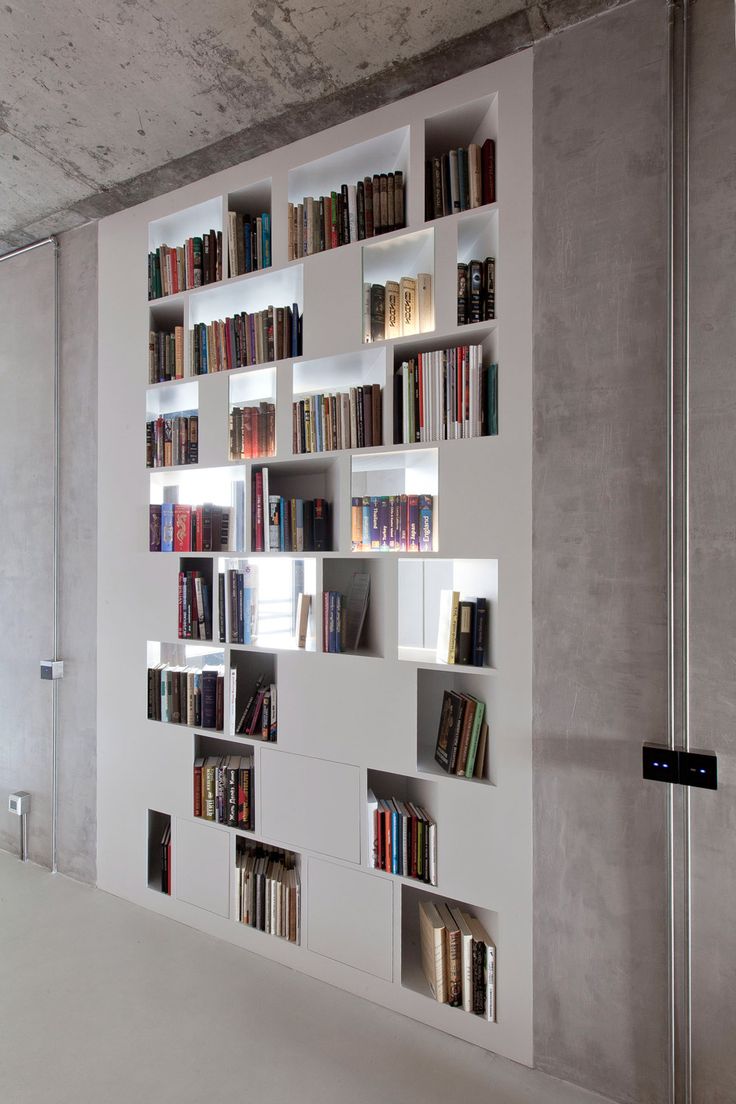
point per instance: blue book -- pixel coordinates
(282, 522)
(197, 697)
(248, 243)
(266, 240)
(167, 527)
(247, 609)
(203, 358)
(425, 523)
(395, 839)
(295, 329)
(299, 525)
(366, 524)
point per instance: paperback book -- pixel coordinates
(458, 958)
(445, 395)
(224, 790)
(402, 838)
(392, 523)
(269, 891)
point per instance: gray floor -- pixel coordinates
(101, 1001)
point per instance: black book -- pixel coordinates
(321, 534)
(221, 605)
(437, 187)
(446, 185)
(428, 192)
(399, 217)
(462, 294)
(489, 287)
(448, 717)
(464, 645)
(232, 792)
(308, 521)
(475, 289)
(209, 698)
(378, 312)
(345, 212)
(322, 228)
(361, 210)
(398, 409)
(479, 643)
(479, 977)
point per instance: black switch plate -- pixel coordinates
(699, 768)
(660, 763)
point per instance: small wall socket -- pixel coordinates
(52, 668)
(19, 803)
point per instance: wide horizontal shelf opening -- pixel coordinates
(382, 154)
(202, 510)
(253, 697)
(394, 501)
(448, 611)
(268, 603)
(338, 402)
(295, 506)
(186, 684)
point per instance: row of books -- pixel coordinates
(195, 606)
(187, 695)
(172, 439)
(476, 291)
(445, 395)
(343, 616)
(165, 846)
(179, 268)
(458, 958)
(462, 738)
(401, 523)
(175, 527)
(165, 355)
(341, 420)
(460, 179)
(238, 604)
(288, 524)
(398, 308)
(351, 213)
(402, 838)
(269, 892)
(462, 628)
(253, 431)
(249, 242)
(273, 333)
(260, 714)
(224, 790)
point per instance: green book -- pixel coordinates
(473, 744)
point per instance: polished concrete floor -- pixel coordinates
(102, 1002)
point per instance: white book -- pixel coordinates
(366, 314)
(232, 242)
(393, 309)
(372, 809)
(353, 211)
(480, 935)
(266, 526)
(425, 310)
(449, 600)
(466, 945)
(231, 722)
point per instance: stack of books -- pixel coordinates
(402, 839)
(224, 790)
(445, 395)
(197, 262)
(398, 523)
(166, 355)
(249, 242)
(269, 893)
(460, 179)
(172, 439)
(343, 420)
(458, 958)
(476, 291)
(187, 695)
(398, 308)
(195, 606)
(253, 431)
(462, 739)
(269, 334)
(462, 629)
(374, 205)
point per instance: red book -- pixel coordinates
(248, 432)
(197, 790)
(488, 171)
(199, 515)
(182, 528)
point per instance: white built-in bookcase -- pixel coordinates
(345, 721)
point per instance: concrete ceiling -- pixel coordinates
(105, 103)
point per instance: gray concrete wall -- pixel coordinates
(78, 609)
(713, 542)
(26, 493)
(600, 684)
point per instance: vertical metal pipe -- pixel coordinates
(55, 584)
(24, 837)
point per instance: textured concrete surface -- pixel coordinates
(105, 105)
(78, 607)
(26, 494)
(713, 543)
(104, 1001)
(599, 552)
(26, 491)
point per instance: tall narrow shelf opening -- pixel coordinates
(253, 705)
(268, 889)
(252, 418)
(223, 780)
(401, 815)
(166, 352)
(459, 151)
(362, 610)
(172, 425)
(159, 852)
(295, 506)
(451, 737)
(398, 286)
(249, 225)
